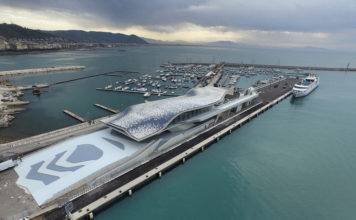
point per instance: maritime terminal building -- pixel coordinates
(67, 169)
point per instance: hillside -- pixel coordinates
(12, 31)
(97, 37)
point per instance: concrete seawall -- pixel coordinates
(39, 70)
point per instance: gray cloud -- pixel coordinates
(286, 23)
(272, 15)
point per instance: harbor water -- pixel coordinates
(295, 161)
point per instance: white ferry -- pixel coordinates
(306, 86)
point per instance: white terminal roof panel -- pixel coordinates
(147, 119)
(48, 173)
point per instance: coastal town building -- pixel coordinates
(3, 44)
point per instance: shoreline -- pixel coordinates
(40, 51)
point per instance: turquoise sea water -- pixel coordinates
(296, 161)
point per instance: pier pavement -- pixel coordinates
(21, 147)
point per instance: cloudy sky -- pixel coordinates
(275, 23)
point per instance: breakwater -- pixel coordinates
(271, 66)
(39, 70)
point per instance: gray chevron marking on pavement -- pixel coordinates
(53, 166)
(35, 175)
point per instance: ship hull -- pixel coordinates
(297, 93)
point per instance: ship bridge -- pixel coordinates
(145, 120)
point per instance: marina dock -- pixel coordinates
(30, 87)
(121, 72)
(107, 108)
(73, 115)
(134, 91)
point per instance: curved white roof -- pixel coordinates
(147, 119)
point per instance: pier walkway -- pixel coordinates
(73, 115)
(107, 108)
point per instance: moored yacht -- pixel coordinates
(147, 94)
(307, 85)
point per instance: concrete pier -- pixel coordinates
(39, 70)
(24, 146)
(107, 108)
(139, 92)
(73, 115)
(22, 88)
(15, 103)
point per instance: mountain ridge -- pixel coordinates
(97, 37)
(13, 31)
